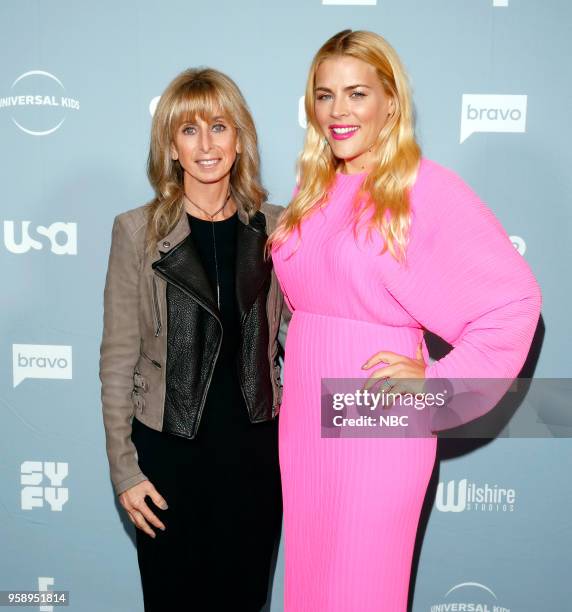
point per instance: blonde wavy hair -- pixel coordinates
(203, 93)
(396, 152)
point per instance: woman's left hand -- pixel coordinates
(403, 374)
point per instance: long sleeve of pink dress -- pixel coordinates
(352, 505)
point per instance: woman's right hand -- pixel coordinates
(133, 500)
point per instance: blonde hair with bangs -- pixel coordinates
(396, 152)
(199, 93)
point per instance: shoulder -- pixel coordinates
(133, 222)
(131, 225)
(442, 188)
(272, 213)
(442, 202)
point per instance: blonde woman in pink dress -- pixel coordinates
(437, 259)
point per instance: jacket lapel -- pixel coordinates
(251, 268)
(182, 267)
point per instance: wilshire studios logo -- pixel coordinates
(41, 361)
(35, 474)
(462, 496)
(492, 113)
(469, 597)
(38, 103)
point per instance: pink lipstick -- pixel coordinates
(342, 132)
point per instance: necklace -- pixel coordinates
(212, 216)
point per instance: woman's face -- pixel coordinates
(206, 150)
(351, 108)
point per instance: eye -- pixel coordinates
(190, 130)
(323, 96)
(219, 127)
(358, 94)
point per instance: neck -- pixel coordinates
(209, 197)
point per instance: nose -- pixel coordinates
(339, 107)
(205, 140)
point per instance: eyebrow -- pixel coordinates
(345, 88)
(193, 122)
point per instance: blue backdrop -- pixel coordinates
(492, 91)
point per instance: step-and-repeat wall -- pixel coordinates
(78, 81)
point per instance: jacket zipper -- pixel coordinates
(156, 309)
(153, 361)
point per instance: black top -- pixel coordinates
(225, 403)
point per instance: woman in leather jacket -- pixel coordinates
(189, 357)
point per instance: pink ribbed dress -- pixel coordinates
(352, 505)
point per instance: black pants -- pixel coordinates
(222, 524)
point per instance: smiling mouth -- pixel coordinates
(207, 163)
(342, 132)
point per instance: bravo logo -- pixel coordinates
(34, 474)
(62, 237)
(467, 496)
(41, 361)
(38, 103)
(492, 113)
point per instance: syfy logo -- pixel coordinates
(467, 496)
(32, 477)
(41, 361)
(67, 246)
(492, 113)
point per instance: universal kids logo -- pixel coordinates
(41, 361)
(469, 597)
(462, 495)
(34, 474)
(492, 113)
(62, 237)
(38, 103)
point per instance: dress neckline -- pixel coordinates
(348, 177)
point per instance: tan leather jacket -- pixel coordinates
(134, 334)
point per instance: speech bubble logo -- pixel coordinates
(41, 361)
(492, 113)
